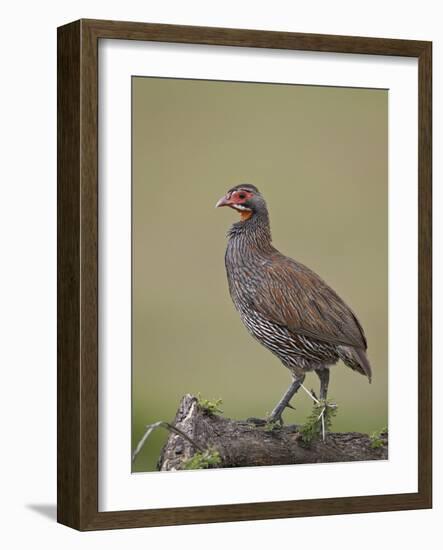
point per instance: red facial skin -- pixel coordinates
(237, 198)
(240, 196)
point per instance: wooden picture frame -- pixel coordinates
(78, 273)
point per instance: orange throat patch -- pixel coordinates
(245, 215)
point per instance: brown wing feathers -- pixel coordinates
(292, 295)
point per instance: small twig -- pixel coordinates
(321, 414)
(162, 424)
(310, 395)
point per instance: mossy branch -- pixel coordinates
(215, 441)
(204, 457)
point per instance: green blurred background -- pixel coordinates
(319, 155)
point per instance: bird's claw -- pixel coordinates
(276, 417)
(269, 423)
(257, 421)
(275, 420)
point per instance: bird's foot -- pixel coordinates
(273, 420)
(269, 424)
(276, 416)
(257, 421)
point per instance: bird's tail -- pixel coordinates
(356, 359)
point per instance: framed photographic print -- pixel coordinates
(208, 369)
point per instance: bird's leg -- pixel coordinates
(323, 374)
(327, 408)
(276, 414)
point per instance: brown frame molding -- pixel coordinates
(77, 319)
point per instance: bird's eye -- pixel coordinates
(242, 196)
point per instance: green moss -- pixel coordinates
(313, 428)
(376, 439)
(201, 461)
(209, 407)
(271, 426)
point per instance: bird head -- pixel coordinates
(245, 198)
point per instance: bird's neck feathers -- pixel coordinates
(255, 231)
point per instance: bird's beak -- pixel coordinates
(224, 201)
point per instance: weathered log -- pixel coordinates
(241, 443)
